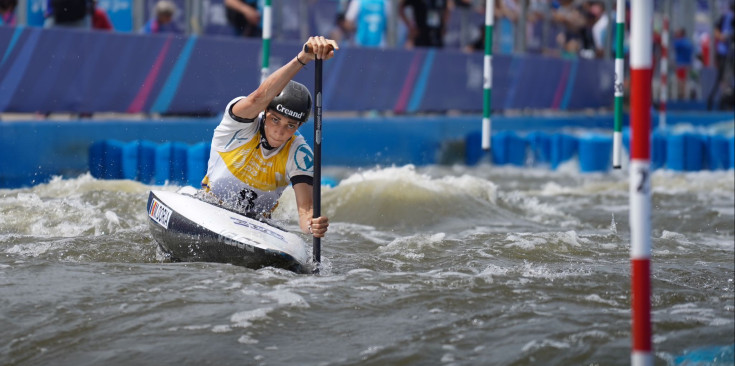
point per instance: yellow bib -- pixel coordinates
(248, 165)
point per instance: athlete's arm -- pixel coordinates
(258, 100)
(305, 206)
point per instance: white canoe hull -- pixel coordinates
(190, 230)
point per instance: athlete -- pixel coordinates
(255, 154)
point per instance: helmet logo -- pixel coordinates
(283, 110)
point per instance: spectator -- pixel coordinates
(683, 57)
(428, 24)
(535, 30)
(368, 19)
(68, 13)
(163, 20)
(244, 17)
(600, 26)
(723, 32)
(341, 32)
(100, 20)
(7, 12)
(570, 19)
(507, 13)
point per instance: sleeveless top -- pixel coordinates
(245, 176)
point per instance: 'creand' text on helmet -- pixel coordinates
(294, 102)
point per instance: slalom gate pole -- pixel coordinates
(317, 247)
(267, 25)
(619, 78)
(487, 83)
(640, 180)
(663, 96)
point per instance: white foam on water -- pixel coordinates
(705, 181)
(491, 271)
(412, 247)
(246, 339)
(371, 350)
(196, 327)
(594, 334)
(530, 241)
(529, 270)
(536, 211)
(245, 319)
(535, 345)
(285, 297)
(597, 299)
(693, 312)
(222, 328)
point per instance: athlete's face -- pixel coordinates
(279, 128)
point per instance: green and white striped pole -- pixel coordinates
(487, 74)
(619, 77)
(267, 25)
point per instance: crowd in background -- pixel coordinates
(557, 28)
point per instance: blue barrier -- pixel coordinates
(42, 149)
(731, 145)
(684, 152)
(595, 153)
(473, 148)
(563, 148)
(130, 161)
(179, 162)
(112, 160)
(717, 153)
(539, 144)
(147, 162)
(162, 163)
(508, 148)
(658, 149)
(196, 163)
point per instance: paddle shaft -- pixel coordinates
(317, 152)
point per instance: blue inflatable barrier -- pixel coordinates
(684, 152)
(179, 158)
(658, 149)
(717, 153)
(595, 153)
(147, 162)
(473, 148)
(196, 163)
(731, 145)
(112, 159)
(162, 163)
(129, 164)
(151, 163)
(508, 148)
(675, 151)
(516, 150)
(97, 159)
(563, 148)
(539, 144)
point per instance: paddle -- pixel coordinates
(317, 247)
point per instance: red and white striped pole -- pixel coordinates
(663, 96)
(640, 179)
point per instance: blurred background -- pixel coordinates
(407, 86)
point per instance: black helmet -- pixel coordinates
(293, 102)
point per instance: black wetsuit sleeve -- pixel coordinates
(237, 118)
(302, 179)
